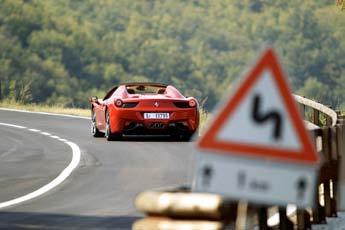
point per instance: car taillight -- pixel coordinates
(118, 103)
(192, 103)
(181, 104)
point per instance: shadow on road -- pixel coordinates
(153, 138)
(147, 138)
(43, 221)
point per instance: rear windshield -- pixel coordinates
(146, 89)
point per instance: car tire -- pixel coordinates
(186, 137)
(181, 137)
(108, 134)
(94, 130)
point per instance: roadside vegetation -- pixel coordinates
(10, 104)
(204, 118)
(62, 52)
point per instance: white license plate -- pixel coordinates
(156, 115)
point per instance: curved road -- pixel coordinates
(99, 194)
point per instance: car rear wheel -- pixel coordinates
(182, 136)
(108, 134)
(186, 137)
(94, 130)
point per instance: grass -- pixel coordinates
(204, 117)
(45, 108)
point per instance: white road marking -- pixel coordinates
(34, 130)
(14, 126)
(58, 180)
(45, 133)
(55, 137)
(44, 113)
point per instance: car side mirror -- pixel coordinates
(94, 99)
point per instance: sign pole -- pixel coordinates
(241, 219)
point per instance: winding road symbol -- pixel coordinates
(271, 116)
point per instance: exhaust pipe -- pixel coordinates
(156, 125)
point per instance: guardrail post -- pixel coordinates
(326, 169)
(328, 121)
(303, 219)
(341, 181)
(334, 169)
(316, 117)
(334, 144)
(327, 198)
(333, 150)
(318, 211)
(284, 222)
(262, 216)
(326, 145)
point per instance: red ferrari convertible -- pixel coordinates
(144, 109)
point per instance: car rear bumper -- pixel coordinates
(133, 121)
(139, 129)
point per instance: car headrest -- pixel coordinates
(161, 91)
(131, 91)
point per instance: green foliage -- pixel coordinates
(314, 89)
(61, 52)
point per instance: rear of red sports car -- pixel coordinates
(150, 109)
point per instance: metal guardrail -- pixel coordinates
(317, 108)
(185, 210)
(329, 141)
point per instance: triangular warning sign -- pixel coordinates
(260, 119)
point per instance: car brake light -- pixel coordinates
(181, 104)
(192, 103)
(118, 103)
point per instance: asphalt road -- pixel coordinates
(99, 194)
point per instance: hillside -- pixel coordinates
(62, 51)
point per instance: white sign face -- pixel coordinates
(256, 181)
(257, 147)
